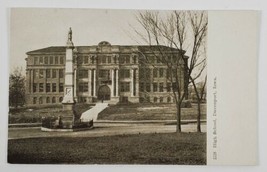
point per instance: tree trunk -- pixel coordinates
(178, 114)
(198, 116)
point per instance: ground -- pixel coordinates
(149, 112)
(34, 114)
(125, 134)
(170, 148)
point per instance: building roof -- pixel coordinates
(87, 49)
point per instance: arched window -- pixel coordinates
(40, 100)
(47, 99)
(60, 99)
(34, 100)
(53, 100)
(155, 99)
(169, 99)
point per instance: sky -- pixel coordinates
(32, 29)
(36, 28)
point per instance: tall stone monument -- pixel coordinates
(68, 100)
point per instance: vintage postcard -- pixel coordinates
(102, 86)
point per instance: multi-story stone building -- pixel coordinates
(107, 72)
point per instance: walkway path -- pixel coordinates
(102, 129)
(92, 114)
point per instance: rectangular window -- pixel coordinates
(169, 86)
(155, 99)
(46, 60)
(56, 60)
(85, 60)
(35, 73)
(51, 60)
(61, 73)
(127, 59)
(41, 87)
(125, 86)
(104, 59)
(104, 74)
(48, 87)
(161, 71)
(61, 60)
(83, 73)
(155, 73)
(125, 73)
(41, 73)
(147, 73)
(35, 60)
(155, 87)
(158, 59)
(34, 100)
(134, 59)
(141, 87)
(160, 87)
(83, 87)
(41, 60)
(122, 60)
(54, 73)
(168, 73)
(61, 87)
(48, 73)
(148, 87)
(34, 87)
(54, 87)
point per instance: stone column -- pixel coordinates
(75, 83)
(32, 80)
(112, 82)
(117, 82)
(132, 83)
(136, 82)
(94, 71)
(89, 82)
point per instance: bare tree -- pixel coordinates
(168, 37)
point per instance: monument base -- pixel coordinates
(65, 121)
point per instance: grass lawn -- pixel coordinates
(171, 148)
(34, 115)
(149, 112)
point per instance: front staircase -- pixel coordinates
(92, 113)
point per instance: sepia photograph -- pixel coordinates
(102, 86)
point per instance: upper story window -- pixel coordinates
(125, 73)
(61, 60)
(85, 59)
(45, 60)
(41, 73)
(54, 73)
(51, 60)
(35, 60)
(61, 73)
(56, 59)
(41, 60)
(83, 73)
(155, 72)
(104, 74)
(161, 71)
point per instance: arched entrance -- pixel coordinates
(104, 93)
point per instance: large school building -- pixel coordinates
(105, 72)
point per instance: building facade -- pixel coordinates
(104, 72)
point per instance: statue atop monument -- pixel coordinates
(69, 42)
(70, 34)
